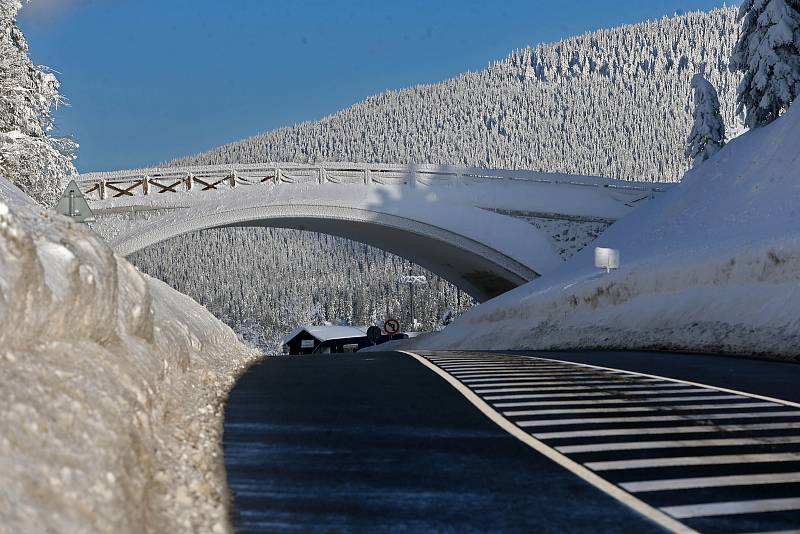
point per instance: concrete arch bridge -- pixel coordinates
(484, 230)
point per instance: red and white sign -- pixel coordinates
(392, 326)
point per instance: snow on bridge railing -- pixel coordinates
(114, 184)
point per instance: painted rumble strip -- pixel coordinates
(648, 511)
(641, 437)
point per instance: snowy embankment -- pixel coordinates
(112, 387)
(712, 265)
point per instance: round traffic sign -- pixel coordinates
(392, 326)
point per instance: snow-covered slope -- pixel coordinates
(111, 387)
(713, 265)
(613, 102)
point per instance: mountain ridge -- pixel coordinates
(527, 110)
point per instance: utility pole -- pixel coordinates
(412, 280)
(413, 322)
(488, 121)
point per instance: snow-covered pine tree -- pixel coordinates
(708, 131)
(768, 53)
(35, 162)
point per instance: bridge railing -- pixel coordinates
(100, 186)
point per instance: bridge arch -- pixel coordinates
(485, 230)
(474, 267)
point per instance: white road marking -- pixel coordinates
(643, 419)
(595, 402)
(606, 390)
(577, 388)
(678, 381)
(600, 394)
(679, 408)
(528, 376)
(483, 374)
(696, 429)
(562, 378)
(644, 463)
(710, 482)
(645, 445)
(476, 363)
(610, 489)
(484, 368)
(568, 383)
(733, 508)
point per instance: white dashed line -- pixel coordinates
(733, 508)
(710, 482)
(653, 418)
(595, 402)
(645, 445)
(614, 387)
(694, 460)
(718, 429)
(678, 408)
(547, 376)
(607, 394)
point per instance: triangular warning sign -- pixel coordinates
(73, 204)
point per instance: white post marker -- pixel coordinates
(606, 258)
(73, 204)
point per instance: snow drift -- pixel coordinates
(111, 385)
(713, 265)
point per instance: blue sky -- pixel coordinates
(150, 80)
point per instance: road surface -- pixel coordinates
(497, 442)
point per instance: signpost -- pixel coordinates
(73, 204)
(374, 334)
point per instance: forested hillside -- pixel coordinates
(610, 103)
(615, 103)
(266, 281)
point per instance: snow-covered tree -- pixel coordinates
(768, 53)
(708, 131)
(29, 157)
(611, 103)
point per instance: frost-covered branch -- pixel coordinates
(768, 53)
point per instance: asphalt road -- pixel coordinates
(379, 441)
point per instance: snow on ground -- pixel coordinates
(111, 386)
(712, 265)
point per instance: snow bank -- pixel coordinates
(712, 265)
(111, 387)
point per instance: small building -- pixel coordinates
(307, 339)
(328, 339)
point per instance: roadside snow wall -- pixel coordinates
(111, 389)
(712, 266)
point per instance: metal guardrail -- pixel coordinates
(100, 186)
